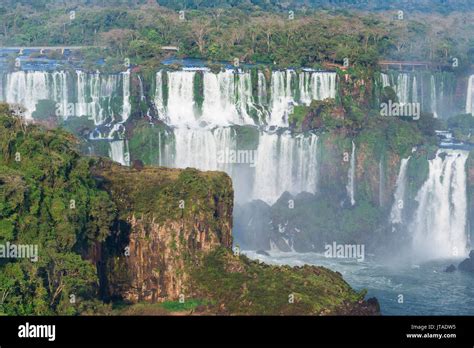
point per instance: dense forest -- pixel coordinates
(296, 36)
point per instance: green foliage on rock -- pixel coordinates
(49, 199)
(238, 285)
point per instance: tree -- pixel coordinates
(199, 31)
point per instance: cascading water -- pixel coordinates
(385, 80)
(74, 93)
(351, 176)
(470, 96)
(199, 147)
(438, 228)
(142, 91)
(434, 91)
(262, 89)
(126, 109)
(403, 89)
(281, 99)
(27, 88)
(118, 152)
(227, 98)
(433, 98)
(180, 107)
(323, 86)
(281, 162)
(285, 163)
(414, 89)
(94, 96)
(396, 214)
(381, 184)
(158, 100)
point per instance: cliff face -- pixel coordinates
(172, 241)
(167, 219)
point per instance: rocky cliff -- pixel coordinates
(166, 218)
(172, 241)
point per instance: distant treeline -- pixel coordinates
(137, 29)
(442, 6)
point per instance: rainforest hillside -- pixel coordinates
(138, 31)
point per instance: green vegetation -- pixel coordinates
(462, 127)
(253, 31)
(147, 142)
(49, 199)
(295, 119)
(158, 192)
(240, 286)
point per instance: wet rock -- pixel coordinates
(450, 269)
(374, 304)
(468, 264)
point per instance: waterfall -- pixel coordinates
(304, 87)
(285, 163)
(396, 214)
(118, 152)
(323, 85)
(280, 101)
(403, 89)
(228, 97)
(470, 96)
(282, 162)
(27, 88)
(439, 225)
(262, 89)
(180, 108)
(227, 101)
(414, 90)
(82, 100)
(381, 184)
(94, 96)
(433, 99)
(245, 101)
(74, 93)
(60, 92)
(385, 80)
(434, 91)
(142, 92)
(158, 100)
(198, 147)
(351, 176)
(126, 108)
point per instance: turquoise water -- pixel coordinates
(426, 288)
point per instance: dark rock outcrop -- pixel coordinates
(167, 218)
(468, 264)
(450, 269)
